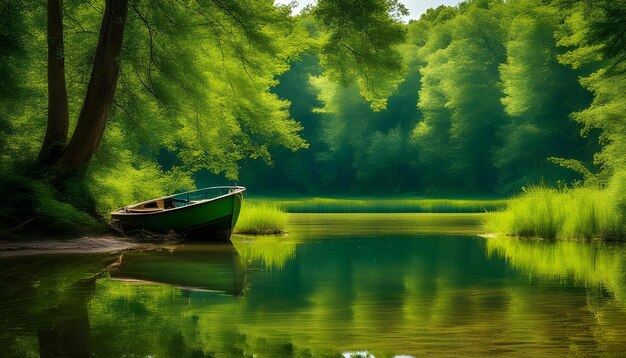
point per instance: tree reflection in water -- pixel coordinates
(320, 297)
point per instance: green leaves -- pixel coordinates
(593, 34)
(459, 99)
(201, 74)
(359, 42)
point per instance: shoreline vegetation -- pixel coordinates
(582, 213)
(261, 219)
(268, 216)
(386, 205)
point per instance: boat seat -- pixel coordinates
(144, 210)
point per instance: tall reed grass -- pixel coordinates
(579, 213)
(329, 205)
(261, 218)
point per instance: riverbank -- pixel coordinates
(81, 245)
(77, 245)
(342, 224)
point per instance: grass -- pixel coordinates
(261, 218)
(269, 216)
(579, 213)
(330, 205)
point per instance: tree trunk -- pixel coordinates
(58, 114)
(99, 98)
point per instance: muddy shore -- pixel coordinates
(80, 245)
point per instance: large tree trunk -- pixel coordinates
(58, 114)
(99, 99)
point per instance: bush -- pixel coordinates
(263, 218)
(26, 199)
(126, 184)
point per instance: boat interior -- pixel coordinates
(152, 206)
(178, 200)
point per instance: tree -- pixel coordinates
(359, 44)
(539, 95)
(459, 100)
(100, 92)
(595, 37)
(233, 24)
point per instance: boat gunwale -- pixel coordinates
(121, 212)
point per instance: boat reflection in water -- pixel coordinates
(49, 303)
(190, 267)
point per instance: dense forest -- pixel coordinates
(479, 99)
(494, 96)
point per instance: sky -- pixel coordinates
(416, 7)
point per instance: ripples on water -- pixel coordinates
(337, 285)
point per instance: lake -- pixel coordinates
(378, 285)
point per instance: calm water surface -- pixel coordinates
(337, 285)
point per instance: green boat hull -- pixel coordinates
(209, 220)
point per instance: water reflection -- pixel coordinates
(53, 305)
(190, 267)
(44, 304)
(322, 294)
(266, 252)
(596, 265)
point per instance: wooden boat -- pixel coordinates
(209, 213)
(204, 267)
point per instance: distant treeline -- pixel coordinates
(493, 94)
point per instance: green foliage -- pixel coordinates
(195, 80)
(540, 93)
(483, 107)
(262, 218)
(359, 42)
(460, 100)
(578, 213)
(593, 34)
(126, 184)
(35, 203)
(22, 58)
(207, 100)
(195, 84)
(476, 98)
(59, 215)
